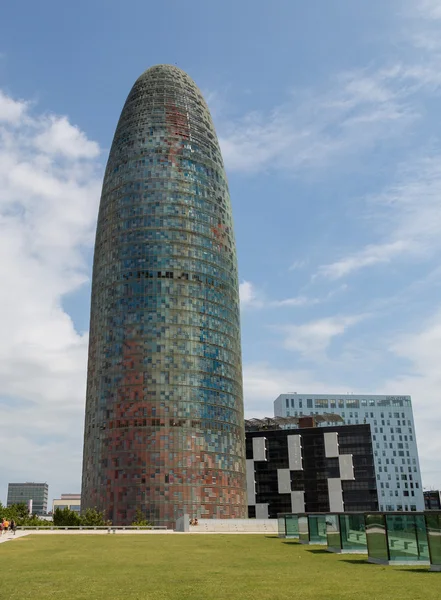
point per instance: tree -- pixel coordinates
(19, 512)
(66, 517)
(93, 518)
(140, 520)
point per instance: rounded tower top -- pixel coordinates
(163, 68)
(170, 72)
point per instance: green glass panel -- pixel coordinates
(333, 531)
(433, 522)
(407, 538)
(376, 536)
(303, 529)
(292, 526)
(281, 526)
(317, 529)
(421, 534)
(353, 534)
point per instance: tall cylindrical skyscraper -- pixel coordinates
(164, 429)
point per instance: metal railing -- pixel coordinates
(90, 527)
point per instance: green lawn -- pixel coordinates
(198, 567)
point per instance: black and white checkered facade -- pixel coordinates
(310, 470)
(396, 459)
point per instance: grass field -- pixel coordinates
(198, 567)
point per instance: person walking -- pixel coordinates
(12, 526)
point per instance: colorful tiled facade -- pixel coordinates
(164, 428)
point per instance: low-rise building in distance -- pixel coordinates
(432, 499)
(70, 501)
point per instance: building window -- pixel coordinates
(352, 404)
(321, 403)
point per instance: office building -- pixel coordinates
(19, 493)
(432, 500)
(164, 428)
(70, 501)
(393, 439)
(295, 467)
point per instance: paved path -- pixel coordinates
(95, 532)
(9, 537)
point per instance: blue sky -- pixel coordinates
(327, 115)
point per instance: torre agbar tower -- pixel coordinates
(164, 427)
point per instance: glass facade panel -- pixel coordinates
(433, 523)
(303, 529)
(19, 493)
(281, 528)
(164, 430)
(333, 531)
(376, 537)
(292, 526)
(407, 538)
(353, 534)
(317, 529)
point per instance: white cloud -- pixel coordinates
(298, 264)
(11, 110)
(249, 297)
(314, 337)
(295, 301)
(60, 137)
(409, 212)
(48, 204)
(429, 9)
(252, 297)
(421, 378)
(263, 383)
(313, 129)
(369, 256)
(357, 111)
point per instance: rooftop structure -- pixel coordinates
(263, 423)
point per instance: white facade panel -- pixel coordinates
(331, 444)
(284, 481)
(298, 502)
(335, 495)
(346, 467)
(259, 448)
(295, 452)
(261, 511)
(251, 484)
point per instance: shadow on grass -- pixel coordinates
(354, 561)
(292, 543)
(272, 537)
(416, 570)
(318, 551)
